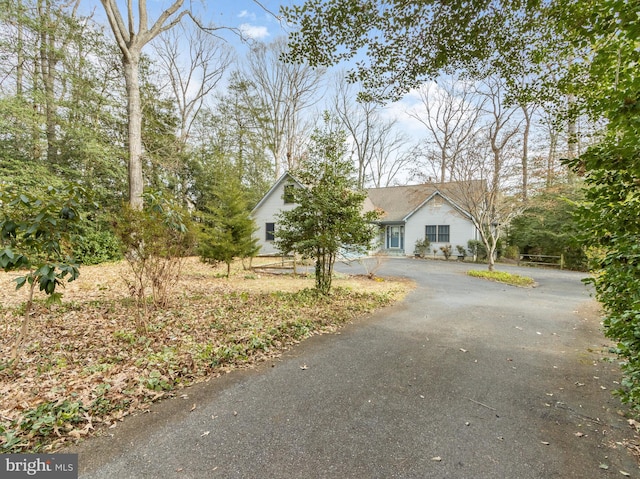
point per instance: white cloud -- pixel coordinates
(253, 31)
(247, 14)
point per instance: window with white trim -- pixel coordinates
(437, 233)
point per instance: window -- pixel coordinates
(431, 233)
(443, 234)
(288, 193)
(437, 233)
(270, 229)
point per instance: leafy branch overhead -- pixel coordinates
(396, 48)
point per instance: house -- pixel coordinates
(414, 212)
(408, 214)
(265, 212)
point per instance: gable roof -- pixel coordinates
(398, 203)
(285, 177)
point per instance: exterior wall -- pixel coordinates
(266, 212)
(439, 212)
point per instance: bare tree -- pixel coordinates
(358, 119)
(286, 90)
(392, 155)
(528, 110)
(131, 43)
(502, 125)
(449, 110)
(194, 62)
(549, 138)
(380, 148)
(484, 174)
(475, 189)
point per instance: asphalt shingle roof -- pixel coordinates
(396, 202)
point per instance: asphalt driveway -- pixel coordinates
(464, 379)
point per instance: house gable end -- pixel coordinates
(276, 186)
(445, 198)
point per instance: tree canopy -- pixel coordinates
(396, 46)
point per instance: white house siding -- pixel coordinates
(267, 212)
(439, 212)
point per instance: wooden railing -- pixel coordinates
(542, 260)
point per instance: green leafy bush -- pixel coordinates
(477, 249)
(421, 247)
(97, 246)
(38, 229)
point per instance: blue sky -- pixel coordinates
(255, 20)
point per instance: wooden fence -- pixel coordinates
(541, 260)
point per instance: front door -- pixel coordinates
(395, 237)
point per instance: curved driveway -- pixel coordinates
(464, 379)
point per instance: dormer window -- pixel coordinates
(288, 194)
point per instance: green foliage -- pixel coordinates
(59, 110)
(37, 233)
(233, 142)
(609, 87)
(503, 277)
(328, 216)
(477, 249)
(548, 227)
(156, 381)
(421, 247)
(36, 230)
(226, 224)
(512, 252)
(97, 245)
(399, 48)
(38, 226)
(40, 425)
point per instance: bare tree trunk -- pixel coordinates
(48, 63)
(525, 152)
(551, 158)
(24, 329)
(131, 44)
(131, 65)
(571, 131)
(20, 48)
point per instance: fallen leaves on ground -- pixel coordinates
(85, 366)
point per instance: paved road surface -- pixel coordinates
(464, 379)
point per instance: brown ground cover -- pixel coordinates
(85, 366)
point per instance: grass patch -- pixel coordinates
(503, 277)
(86, 367)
